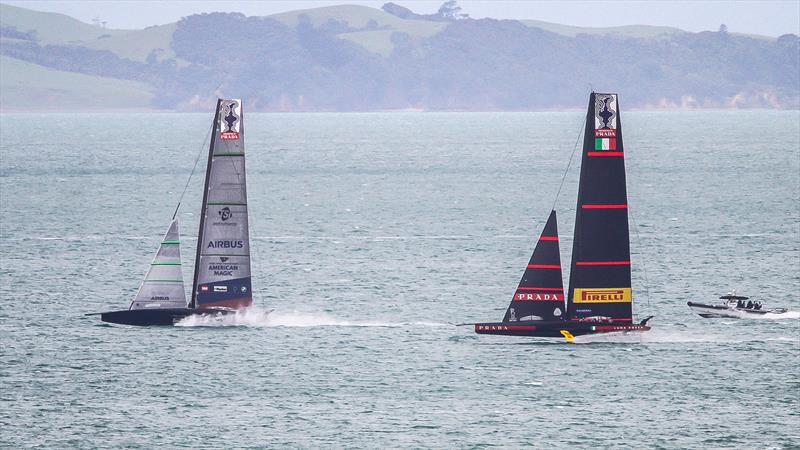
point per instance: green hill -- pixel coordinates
(136, 45)
(52, 28)
(370, 28)
(355, 58)
(29, 87)
(636, 31)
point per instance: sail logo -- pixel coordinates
(225, 214)
(225, 244)
(538, 296)
(230, 113)
(605, 133)
(602, 295)
(220, 288)
(605, 111)
(159, 298)
(222, 270)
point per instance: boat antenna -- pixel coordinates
(569, 163)
(202, 147)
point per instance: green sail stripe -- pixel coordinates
(165, 264)
(170, 242)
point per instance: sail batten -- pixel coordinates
(222, 266)
(600, 275)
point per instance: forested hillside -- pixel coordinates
(353, 58)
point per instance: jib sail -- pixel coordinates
(162, 287)
(222, 266)
(600, 274)
(540, 294)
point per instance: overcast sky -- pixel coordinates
(767, 17)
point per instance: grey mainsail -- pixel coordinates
(162, 287)
(222, 265)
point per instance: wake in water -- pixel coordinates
(770, 316)
(663, 336)
(265, 318)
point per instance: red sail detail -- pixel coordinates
(539, 297)
(540, 289)
(548, 238)
(544, 266)
(602, 263)
(605, 154)
(622, 206)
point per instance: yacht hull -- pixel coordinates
(555, 328)
(158, 317)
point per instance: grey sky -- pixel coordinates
(767, 17)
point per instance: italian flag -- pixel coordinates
(605, 143)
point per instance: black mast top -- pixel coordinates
(600, 274)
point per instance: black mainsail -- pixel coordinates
(600, 272)
(599, 295)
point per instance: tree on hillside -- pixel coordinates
(451, 11)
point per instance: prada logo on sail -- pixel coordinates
(605, 133)
(538, 296)
(230, 113)
(225, 244)
(602, 295)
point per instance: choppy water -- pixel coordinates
(371, 234)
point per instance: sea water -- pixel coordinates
(372, 234)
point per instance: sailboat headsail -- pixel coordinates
(600, 271)
(222, 265)
(162, 287)
(540, 294)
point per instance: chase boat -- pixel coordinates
(735, 306)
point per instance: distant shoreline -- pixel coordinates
(388, 111)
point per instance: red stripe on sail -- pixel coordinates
(602, 263)
(605, 153)
(544, 266)
(540, 289)
(548, 238)
(620, 206)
